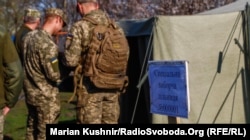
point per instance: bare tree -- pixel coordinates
(12, 10)
(134, 9)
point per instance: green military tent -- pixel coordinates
(215, 44)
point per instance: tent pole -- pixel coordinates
(173, 120)
(246, 90)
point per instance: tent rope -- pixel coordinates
(238, 70)
(223, 57)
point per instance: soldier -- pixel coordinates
(11, 76)
(31, 21)
(42, 75)
(98, 106)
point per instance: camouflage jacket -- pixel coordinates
(40, 67)
(11, 74)
(79, 37)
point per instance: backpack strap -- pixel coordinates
(93, 21)
(78, 76)
(90, 20)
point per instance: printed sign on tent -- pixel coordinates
(169, 90)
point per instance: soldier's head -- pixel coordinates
(31, 15)
(85, 6)
(55, 12)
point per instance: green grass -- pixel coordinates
(15, 123)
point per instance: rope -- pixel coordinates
(77, 72)
(225, 52)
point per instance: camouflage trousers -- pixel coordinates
(1, 124)
(98, 108)
(47, 112)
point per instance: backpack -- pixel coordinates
(105, 64)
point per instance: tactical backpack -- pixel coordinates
(105, 64)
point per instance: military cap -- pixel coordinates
(83, 1)
(33, 13)
(58, 12)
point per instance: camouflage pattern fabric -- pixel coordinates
(40, 82)
(33, 13)
(79, 38)
(57, 12)
(47, 113)
(94, 107)
(99, 108)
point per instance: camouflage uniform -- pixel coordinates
(30, 16)
(99, 106)
(11, 76)
(40, 83)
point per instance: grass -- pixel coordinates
(15, 123)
